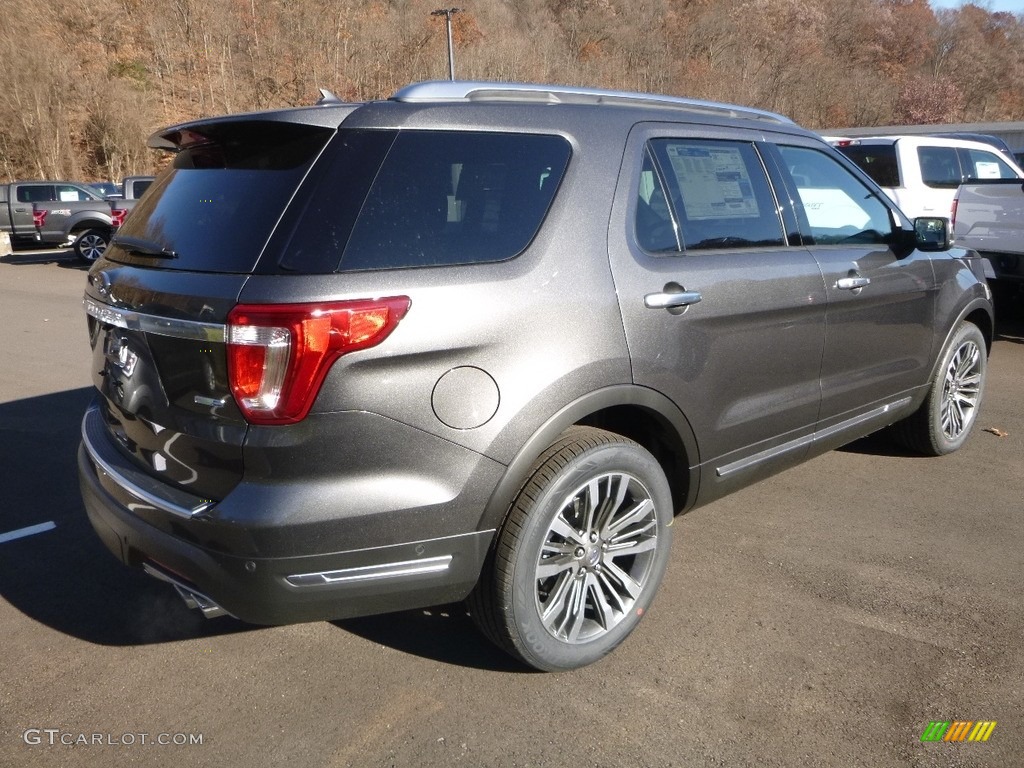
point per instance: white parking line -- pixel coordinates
(30, 531)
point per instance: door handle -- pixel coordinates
(671, 300)
(852, 283)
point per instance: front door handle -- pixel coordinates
(671, 300)
(852, 283)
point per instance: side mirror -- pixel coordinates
(932, 234)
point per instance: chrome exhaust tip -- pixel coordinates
(191, 597)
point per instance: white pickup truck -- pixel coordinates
(988, 216)
(922, 173)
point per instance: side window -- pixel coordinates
(36, 193)
(940, 167)
(69, 194)
(978, 164)
(656, 228)
(720, 193)
(876, 160)
(839, 207)
(455, 198)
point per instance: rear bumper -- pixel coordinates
(320, 582)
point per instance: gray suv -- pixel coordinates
(483, 341)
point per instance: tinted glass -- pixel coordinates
(978, 164)
(392, 200)
(218, 203)
(655, 227)
(876, 160)
(456, 198)
(940, 167)
(720, 193)
(838, 206)
(139, 187)
(36, 193)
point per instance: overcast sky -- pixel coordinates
(1013, 6)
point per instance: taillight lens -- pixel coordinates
(39, 218)
(279, 354)
(952, 218)
(117, 216)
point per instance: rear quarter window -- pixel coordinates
(877, 161)
(387, 200)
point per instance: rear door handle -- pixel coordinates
(852, 283)
(671, 300)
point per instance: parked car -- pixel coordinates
(106, 188)
(983, 138)
(133, 189)
(988, 216)
(483, 341)
(921, 173)
(16, 209)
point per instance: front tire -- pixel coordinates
(91, 244)
(581, 555)
(944, 421)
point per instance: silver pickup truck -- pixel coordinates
(87, 225)
(18, 217)
(988, 216)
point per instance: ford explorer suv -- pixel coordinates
(484, 341)
(921, 173)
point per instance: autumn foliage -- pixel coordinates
(86, 81)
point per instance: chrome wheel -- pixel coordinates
(961, 390)
(596, 557)
(91, 245)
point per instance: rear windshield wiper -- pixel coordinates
(139, 247)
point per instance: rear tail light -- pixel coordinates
(39, 218)
(117, 216)
(279, 354)
(952, 218)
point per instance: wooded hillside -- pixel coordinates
(86, 81)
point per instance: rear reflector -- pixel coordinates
(279, 354)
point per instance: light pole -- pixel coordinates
(448, 13)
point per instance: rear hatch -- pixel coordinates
(158, 303)
(272, 247)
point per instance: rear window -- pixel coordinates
(876, 160)
(392, 200)
(217, 205)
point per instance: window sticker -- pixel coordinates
(986, 170)
(714, 182)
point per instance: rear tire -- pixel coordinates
(581, 555)
(91, 244)
(944, 421)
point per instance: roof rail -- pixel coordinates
(476, 91)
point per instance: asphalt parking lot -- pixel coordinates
(821, 618)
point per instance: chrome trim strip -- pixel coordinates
(372, 572)
(133, 488)
(763, 456)
(802, 442)
(864, 417)
(161, 326)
